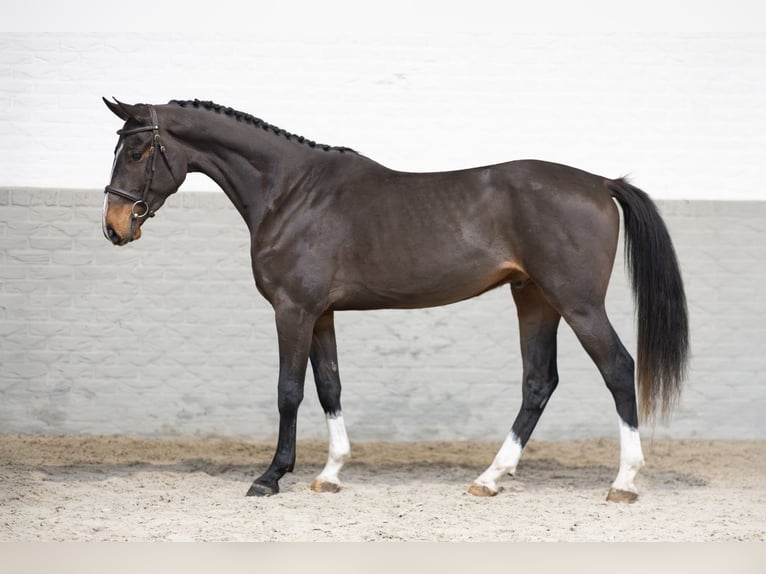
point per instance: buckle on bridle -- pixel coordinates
(141, 204)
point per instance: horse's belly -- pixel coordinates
(398, 289)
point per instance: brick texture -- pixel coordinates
(169, 335)
(684, 113)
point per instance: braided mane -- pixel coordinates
(256, 122)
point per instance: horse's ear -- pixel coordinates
(118, 109)
(126, 111)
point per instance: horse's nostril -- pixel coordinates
(113, 236)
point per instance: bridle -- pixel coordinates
(141, 207)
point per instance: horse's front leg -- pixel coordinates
(324, 360)
(294, 329)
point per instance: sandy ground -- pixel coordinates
(130, 489)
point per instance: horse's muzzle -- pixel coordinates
(112, 235)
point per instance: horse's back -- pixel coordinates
(423, 239)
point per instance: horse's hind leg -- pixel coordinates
(324, 361)
(538, 324)
(599, 339)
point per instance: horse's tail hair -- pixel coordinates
(658, 291)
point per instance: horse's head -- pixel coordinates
(144, 173)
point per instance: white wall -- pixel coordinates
(680, 105)
(681, 108)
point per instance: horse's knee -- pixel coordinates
(289, 400)
(537, 391)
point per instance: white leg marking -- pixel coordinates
(631, 458)
(505, 461)
(339, 449)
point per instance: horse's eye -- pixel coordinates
(136, 155)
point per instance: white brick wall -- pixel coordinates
(169, 335)
(684, 113)
(152, 339)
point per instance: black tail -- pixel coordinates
(663, 325)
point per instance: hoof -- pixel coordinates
(624, 496)
(324, 486)
(261, 490)
(482, 490)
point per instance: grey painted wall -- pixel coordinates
(169, 336)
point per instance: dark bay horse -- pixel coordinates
(333, 230)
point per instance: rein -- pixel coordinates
(141, 207)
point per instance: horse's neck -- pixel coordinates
(244, 165)
(253, 165)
